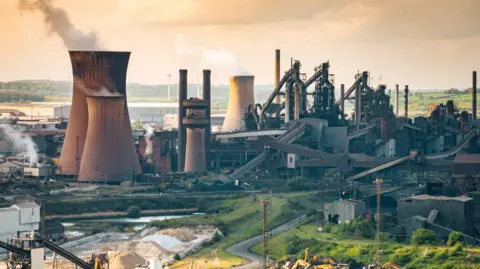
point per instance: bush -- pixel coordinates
(454, 238)
(133, 211)
(327, 228)
(424, 237)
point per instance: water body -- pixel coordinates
(136, 223)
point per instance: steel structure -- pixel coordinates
(264, 204)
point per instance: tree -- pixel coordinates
(455, 238)
(424, 237)
(133, 211)
(137, 125)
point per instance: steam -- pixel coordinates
(21, 143)
(96, 91)
(149, 139)
(217, 58)
(59, 22)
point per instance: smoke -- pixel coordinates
(219, 59)
(59, 22)
(96, 90)
(21, 143)
(149, 139)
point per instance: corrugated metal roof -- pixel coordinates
(439, 198)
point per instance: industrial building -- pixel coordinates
(343, 211)
(438, 210)
(19, 218)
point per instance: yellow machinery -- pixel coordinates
(97, 264)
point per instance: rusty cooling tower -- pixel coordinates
(96, 73)
(241, 96)
(195, 122)
(104, 154)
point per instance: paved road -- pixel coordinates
(242, 249)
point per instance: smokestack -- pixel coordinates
(277, 74)
(241, 96)
(342, 93)
(207, 98)
(182, 139)
(474, 96)
(406, 101)
(95, 73)
(105, 157)
(397, 100)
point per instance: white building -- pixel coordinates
(19, 218)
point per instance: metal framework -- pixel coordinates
(376, 259)
(264, 204)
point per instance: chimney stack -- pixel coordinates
(406, 101)
(277, 74)
(474, 96)
(397, 100)
(342, 103)
(182, 139)
(207, 97)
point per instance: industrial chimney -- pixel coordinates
(474, 96)
(276, 80)
(100, 74)
(406, 101)
(105, 157)
(241, 96)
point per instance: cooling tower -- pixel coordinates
(104, 154)
(241, 95)
(96, 73)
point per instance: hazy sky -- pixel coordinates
(423, 43)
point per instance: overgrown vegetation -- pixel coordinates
(133, 211)
(347, 247)
(424, 237)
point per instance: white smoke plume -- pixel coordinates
(220, 59)
(98, 91)
(21, 143)
(59, 22)
(149, 138)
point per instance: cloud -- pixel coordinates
(379, 19)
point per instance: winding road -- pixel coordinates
(242, 249)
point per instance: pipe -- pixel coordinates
(358, 106)
(397, 99)
(277, 74)
(207, 97)
(287, 101)
(406, 101)
(342, 101)
(474, 96)
(296, 108)
(182, 112)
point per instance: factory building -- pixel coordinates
(19, 218)
(36, 110)
(343, 211)
(438, 210)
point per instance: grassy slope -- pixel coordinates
(240, 220)
(362, 249)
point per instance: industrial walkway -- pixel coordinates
(242, 249)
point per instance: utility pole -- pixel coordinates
(169, 77)
(376, 259)
(264, 204)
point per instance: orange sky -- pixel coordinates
(423, 43)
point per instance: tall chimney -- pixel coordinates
(277, 74)
(406, 101)
(207, 98)
(241, 96)
(97, 73)
(105, 156)
(397, 100)
(182, 139)
(342, 103)
(474, 96)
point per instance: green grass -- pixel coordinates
(240, 219)
(343, 248)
